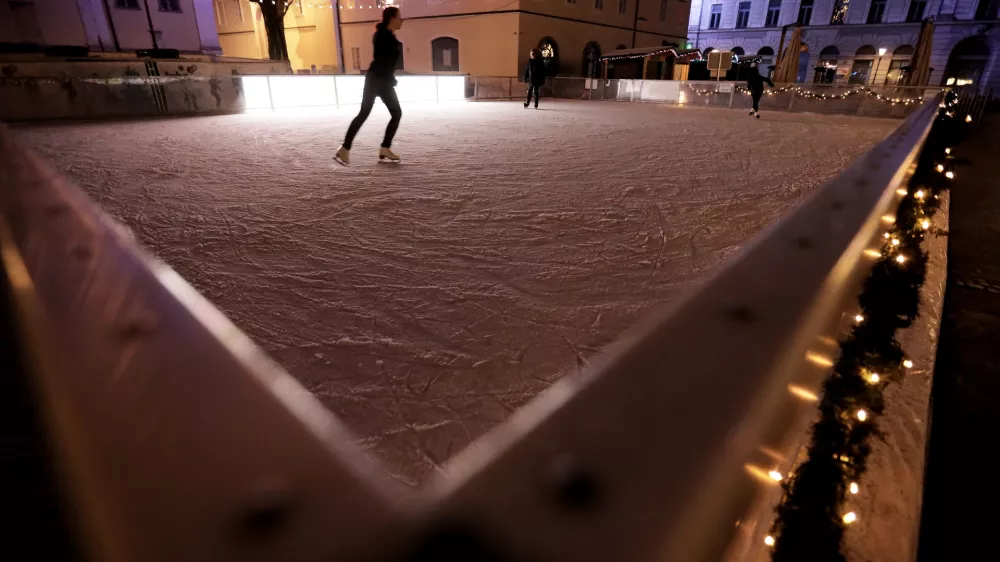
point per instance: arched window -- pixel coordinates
(862, 68)
(866, 51)
(766, 55)
(967, 62)
(899, 65)
(826, 68)
(706, 51)
(739, 51)
(591, 55)
(550, 54)
(444, 54)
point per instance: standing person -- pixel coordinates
(379, 82)
(534, 75)
(755, 83)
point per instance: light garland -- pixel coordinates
(651, 54)
(804, 93)
(806, 526)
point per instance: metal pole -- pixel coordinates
(635, 23)
(336, 92)
(270, 95)
(340, 37)
(149, 21)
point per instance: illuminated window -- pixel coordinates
(839, 12)
(127, 4)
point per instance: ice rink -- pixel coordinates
(424, 302)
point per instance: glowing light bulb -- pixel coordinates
(900, 259)
(940, 167)
(850, 517)
(968, 119)
(769, 540)
(925, 224)
(859, 318)
(775, 475)
(886, 235)
(901, 191)
(947, 151)
(919, 194)
(908, 364)
(862, 415)
(950, 175)
(888, 219)
(854, 487)
(874, 378)
(895, 241)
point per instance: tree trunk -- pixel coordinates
(274, 26)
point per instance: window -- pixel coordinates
(127, 4)
(738, 51)
(571, 1)
(839, 16)
(916, 12)
(622, 6)
(239, 9)
(220, 13)
(900, 60)
(876, 12)
(356, 58)
(444, 54)
(805, 12)
(716, 16)
(773, 13)
(663, 10)
(743, 15)
(598, 4)
(170, 5)
(766, 55)
(987, 9)
(826, 70)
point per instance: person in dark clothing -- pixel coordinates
(380, 81)
(534, 75)
(755, 83)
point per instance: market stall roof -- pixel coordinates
(643, 52)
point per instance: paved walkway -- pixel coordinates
(962, 491)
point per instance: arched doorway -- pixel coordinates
(550, 54)
(898, 65)
(826, 69)
(444, 54)
(591, 56)
(967, 62)
(861, 70)
(739, 51)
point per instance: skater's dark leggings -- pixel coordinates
(381, 88)
(756, 99)
(532, 88)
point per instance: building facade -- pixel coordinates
(108, 25)
(479, 37)
(859, 41)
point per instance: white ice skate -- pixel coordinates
(343, 156)
(752, 112)
(386, 154)
(756, 114)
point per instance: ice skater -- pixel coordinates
(534, 75)
(755, 83)
(380, 81)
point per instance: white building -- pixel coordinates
(858, 41)
(108, 25)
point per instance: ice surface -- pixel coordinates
(426, 301)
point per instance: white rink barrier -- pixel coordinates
(295, 91)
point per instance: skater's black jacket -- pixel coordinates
(534, 71)
(387, 50)
(755, 82)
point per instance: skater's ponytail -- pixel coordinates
(388, 15)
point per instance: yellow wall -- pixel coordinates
(487, 44)
(490, 44)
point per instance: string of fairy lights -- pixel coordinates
(819, 502)
(804, 93)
